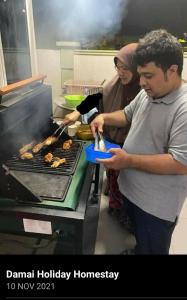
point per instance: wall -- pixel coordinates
(87, 66)
(184, 73)
(94, 65)
(49, 64)
(3, 80)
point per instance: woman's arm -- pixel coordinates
(71, 118)
(90, 102)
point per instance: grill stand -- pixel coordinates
(73, 228)
(74, 231)
(95, 194)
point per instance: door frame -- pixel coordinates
(32, 46)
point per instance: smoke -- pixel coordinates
(84, 19)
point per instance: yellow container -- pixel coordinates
(84, 133)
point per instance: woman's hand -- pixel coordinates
(71, 118)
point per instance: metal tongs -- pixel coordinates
(99, 142)
(57, 133)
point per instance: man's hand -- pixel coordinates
(97, 123)
(117, 119)
(71, 118)
(162, 164)
(119, 160)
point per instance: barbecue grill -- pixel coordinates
(65, 199)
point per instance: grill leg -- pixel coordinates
(95, 194)
(34, 251)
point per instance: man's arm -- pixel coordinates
(117, 119)
(163, 164)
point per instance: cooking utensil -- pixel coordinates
(96, 145)
(102, 146)
(57, 133)
(99, 142)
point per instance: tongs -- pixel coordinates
(57, 133)
(99, 142)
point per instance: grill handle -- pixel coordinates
(14, 86)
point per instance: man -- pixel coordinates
(153, 160)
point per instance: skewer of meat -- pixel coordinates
(50, 140)
(37, 147)
(26, 148)
(26, 155)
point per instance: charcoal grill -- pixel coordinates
(67, 197)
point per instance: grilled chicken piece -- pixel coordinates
(26, 148)
(70, 142)
(37, 147)
(67, 144)
(26, 155)
(48, 157)
(55, 158)
(57, 163)
(50, 140)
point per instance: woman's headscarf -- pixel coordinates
(117, 95)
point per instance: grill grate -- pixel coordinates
(37, 164)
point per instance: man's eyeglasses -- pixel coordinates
(121, 68)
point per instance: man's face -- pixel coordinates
(154, 81)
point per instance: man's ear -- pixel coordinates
(173, 68)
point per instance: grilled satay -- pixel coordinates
(48, 157)
(50, 140)
(26, 148)
(37, 147)
(26, 155)
(58, 162)
(67, 144)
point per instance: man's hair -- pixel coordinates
(162, 48)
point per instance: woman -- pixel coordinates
(118, 93)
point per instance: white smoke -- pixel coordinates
(82, 19)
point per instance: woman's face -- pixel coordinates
(123, 72)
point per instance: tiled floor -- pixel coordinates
(179, 239)
(112, 238)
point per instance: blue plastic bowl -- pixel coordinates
(91, 154)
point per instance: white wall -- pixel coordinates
(94, 65)
(184, 73)
(3, 80)
(49, 64)
(98, 66)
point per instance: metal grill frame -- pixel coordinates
(69, 226)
